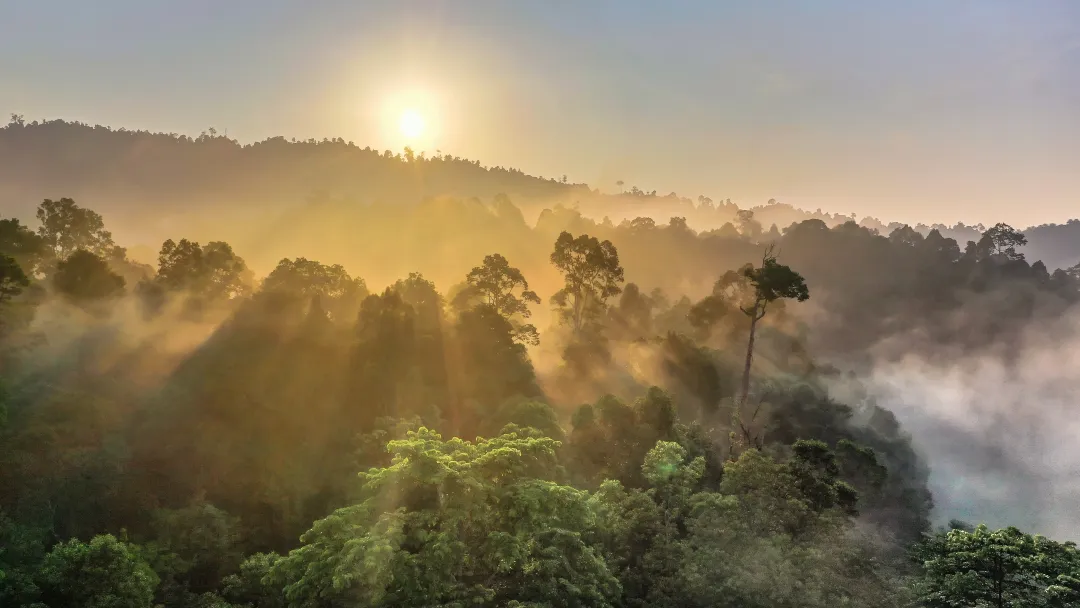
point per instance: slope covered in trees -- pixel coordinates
(148, 184)
(465, 408)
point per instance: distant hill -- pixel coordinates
(151, 185)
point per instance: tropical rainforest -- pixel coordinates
(307, 374)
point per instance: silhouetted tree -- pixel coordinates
(503, 288)
(211, 272)
(27, 248)
(591, 274)
(67, 227)
(84, 277)
(12, 279)
(771, 281)
(1002, 241)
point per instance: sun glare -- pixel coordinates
(411, 124)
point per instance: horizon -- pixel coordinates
(807, 207)
(831, 108)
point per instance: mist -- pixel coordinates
(998, 425)
(226, 378)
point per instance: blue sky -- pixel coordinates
(922, 110)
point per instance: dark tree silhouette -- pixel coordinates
(504, 289)
(591, 274)
(12, 279)
(67, 227)
(84, 277)
(771, 281)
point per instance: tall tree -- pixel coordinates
(1001, 240)
(504, 289)
(84, 277)
(591, 274)
(771, 281)
(67, 227)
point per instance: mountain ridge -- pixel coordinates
(120, 171)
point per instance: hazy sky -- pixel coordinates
(932, 110)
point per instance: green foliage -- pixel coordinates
(104, 573)
(253, 586)
(524, 413)
(609, 440)
(313, 378)
(1005, 568)
(194, 547)
(21, 551)
(454, 523)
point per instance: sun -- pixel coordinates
(411, 124)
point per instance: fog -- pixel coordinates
(999, 426)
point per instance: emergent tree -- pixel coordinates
(504, 289)
(771, 281)
(592, 274)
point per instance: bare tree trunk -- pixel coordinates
(743, 440)
(745, 389)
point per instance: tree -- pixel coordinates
(771, 281)
(455, 523)
(212, 272)
(67, 227)
(12, 279)
(339, 293)
(748, 226)
(104, 573)
(494, 365)
(21, 551)
(591, 274)
(27, 248)
(84, 277)
(195, 547)
(1001, 240)
(632, 317)
(252, 586)
(504, 289)
(999, 568)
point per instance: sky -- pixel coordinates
(922, 110)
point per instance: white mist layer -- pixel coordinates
(1000, 429)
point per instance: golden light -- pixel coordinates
(411, 124)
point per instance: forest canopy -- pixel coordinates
(566, 412)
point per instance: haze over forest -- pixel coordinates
(945, 350)
(461, 351)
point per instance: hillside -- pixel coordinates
(152, 185)
(200, 353)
